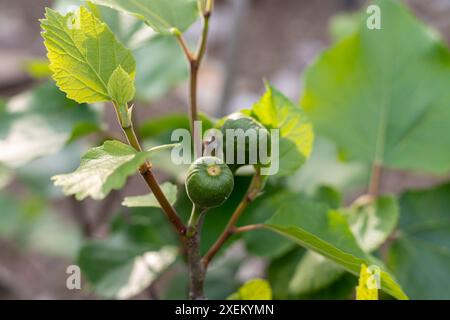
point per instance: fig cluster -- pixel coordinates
(209, 180)
(255, 137)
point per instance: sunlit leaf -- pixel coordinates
(155, 76)
(83, 54)
(129, 30)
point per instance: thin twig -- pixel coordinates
(195, 61)
(250, 227)
(184, 47)
(251, 194)
(193, 104)
(201, 50)
(168, 209)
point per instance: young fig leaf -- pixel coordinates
(84, 54)
(121, 87)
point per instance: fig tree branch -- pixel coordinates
(195, 61)
(182, 42)
(146, 172)
(197, 270)
(204, 37)
(250, 195)
(196, 267)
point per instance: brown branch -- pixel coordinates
(195, 61)
(184, 47)
(197, 270)
(204, 38)
(168, 209)
(193, 80)
(196, 267)
(251, 194)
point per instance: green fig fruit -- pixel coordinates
(209, 182)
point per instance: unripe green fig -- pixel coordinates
(248, 125)
(209, 182)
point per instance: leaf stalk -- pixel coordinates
(146, 172)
